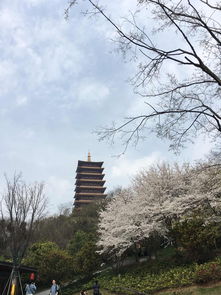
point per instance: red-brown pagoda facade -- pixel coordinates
(89, 183)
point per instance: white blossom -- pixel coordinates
(162, 192)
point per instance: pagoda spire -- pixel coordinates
(89, 157)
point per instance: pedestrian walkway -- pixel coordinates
(44, 292)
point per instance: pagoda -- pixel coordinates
(89, 185)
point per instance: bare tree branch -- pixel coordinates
(22, 206)
(186, 106)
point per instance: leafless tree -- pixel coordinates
(65, 209)
(22, 206)
(182, 106)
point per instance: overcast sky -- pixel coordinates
(59, 81)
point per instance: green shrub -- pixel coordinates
(50, 261)
(208, 272)
(146, 282)
(194, 239)
(86, 261)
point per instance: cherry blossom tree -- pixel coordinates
(157, 197)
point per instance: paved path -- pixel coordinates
(44, 292)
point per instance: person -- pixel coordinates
(96, 288)
(30, 288)
(54, 288)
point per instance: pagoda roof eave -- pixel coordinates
(86, 162)
(89, 173)
(89, 180)
(83, 201)
(90, 167)
(90, 194)
(90, 187)
(99, 181)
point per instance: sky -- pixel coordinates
(60, 80)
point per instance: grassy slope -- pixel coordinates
(150, 277)
(147, 277)
(212, 289)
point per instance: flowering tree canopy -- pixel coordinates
(158, 195)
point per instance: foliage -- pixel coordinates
(74, 232)
(79, 241)
(84, 251)
(86, 220)
(62, 228)
(145, 279)
(86, 261)
(213, 289)
(194, 238)
(58, 229)
(147, 282)
(51, 261)
(76, 286)
(82, 246)
(208, 272)
(158, 196)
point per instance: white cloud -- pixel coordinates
(58, 190)
(201, 147)
(36, 50)
(137, 106)
(8, 79)
(9, 19)
(27, 133)
(127, 167)
(21, 101)
(92, 92)
(34, 2)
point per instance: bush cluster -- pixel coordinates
(133, 282)
(146, 283)
(208, 272)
